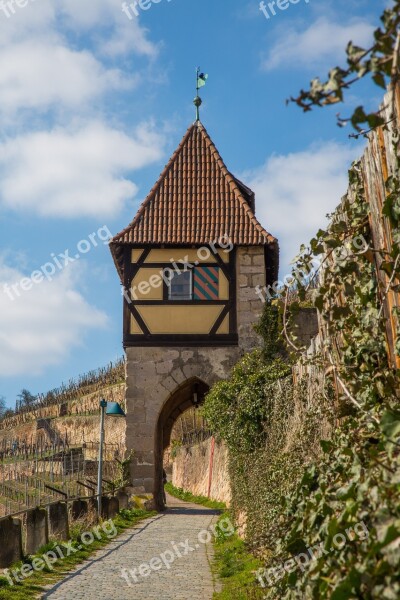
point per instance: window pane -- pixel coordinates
(180, 286)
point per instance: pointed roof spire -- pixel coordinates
(195, 201)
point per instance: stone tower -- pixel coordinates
(188, 263)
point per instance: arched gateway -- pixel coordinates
(189, 263)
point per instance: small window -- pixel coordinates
(180, 286)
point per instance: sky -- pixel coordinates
(94, 100)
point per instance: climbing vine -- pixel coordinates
(303, 497)
(357, 479)
(271, 433)
(379, 61)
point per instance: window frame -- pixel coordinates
(170, 298)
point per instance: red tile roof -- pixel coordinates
(196, 200)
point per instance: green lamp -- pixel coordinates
(114, 410)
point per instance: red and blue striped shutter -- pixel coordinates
(206, 283)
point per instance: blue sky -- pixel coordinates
(92, 105)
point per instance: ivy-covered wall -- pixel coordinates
(271, 433)
(314, 461)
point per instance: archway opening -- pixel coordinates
(184, 400)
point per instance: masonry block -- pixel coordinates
(113, 507)
(105, 502)
(58, 521)
(37, 530)
(178, 375)
(123, 499)
(259, 259)
(10, 541)
(79, 509)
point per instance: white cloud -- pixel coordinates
(39, 328)
(76, 171)
(294, 192)
(53, 75)
(322, 42)
(36, 19)
(42, 68)
(103, 21)
(122, 35)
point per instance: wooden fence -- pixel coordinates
(377, 164)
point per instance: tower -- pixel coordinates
(189, 263)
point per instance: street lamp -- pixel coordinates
(114, 410)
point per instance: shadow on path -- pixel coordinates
(175, 510)
(91, 561)
(155, 530)
(176, 506)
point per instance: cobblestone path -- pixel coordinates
(187, 578)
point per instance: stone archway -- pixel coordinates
(159, 385)
(177, 403)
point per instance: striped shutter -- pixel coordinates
(206, 283)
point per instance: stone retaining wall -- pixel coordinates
(191, 470)
(34, 528)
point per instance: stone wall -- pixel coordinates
(250, 272)
(77, 424)
(36, 527)
(154, 375)
(86, 428)
(79, 405)
(191, 470)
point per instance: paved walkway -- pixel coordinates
(187, 578)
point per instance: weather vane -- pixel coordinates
(201, 79)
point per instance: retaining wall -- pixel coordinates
(192, 467)
(34, 528)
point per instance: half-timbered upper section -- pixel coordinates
(177, 260)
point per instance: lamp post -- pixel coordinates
(112, 409)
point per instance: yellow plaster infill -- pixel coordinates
(224, 327)
(135, 329)
(179, 319)
(193, 256)
(223, 291)
(224, 254)
(136, 254)
(147, 285)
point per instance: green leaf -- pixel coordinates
(390, 423)
(388, 532)
(379, 79)
(346, 492)
(346, 589)
(326, 446)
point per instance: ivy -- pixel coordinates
(298, 493)
(379, 61)
(268, 328)
(239, 409)
(357, 478)
(256, 411)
